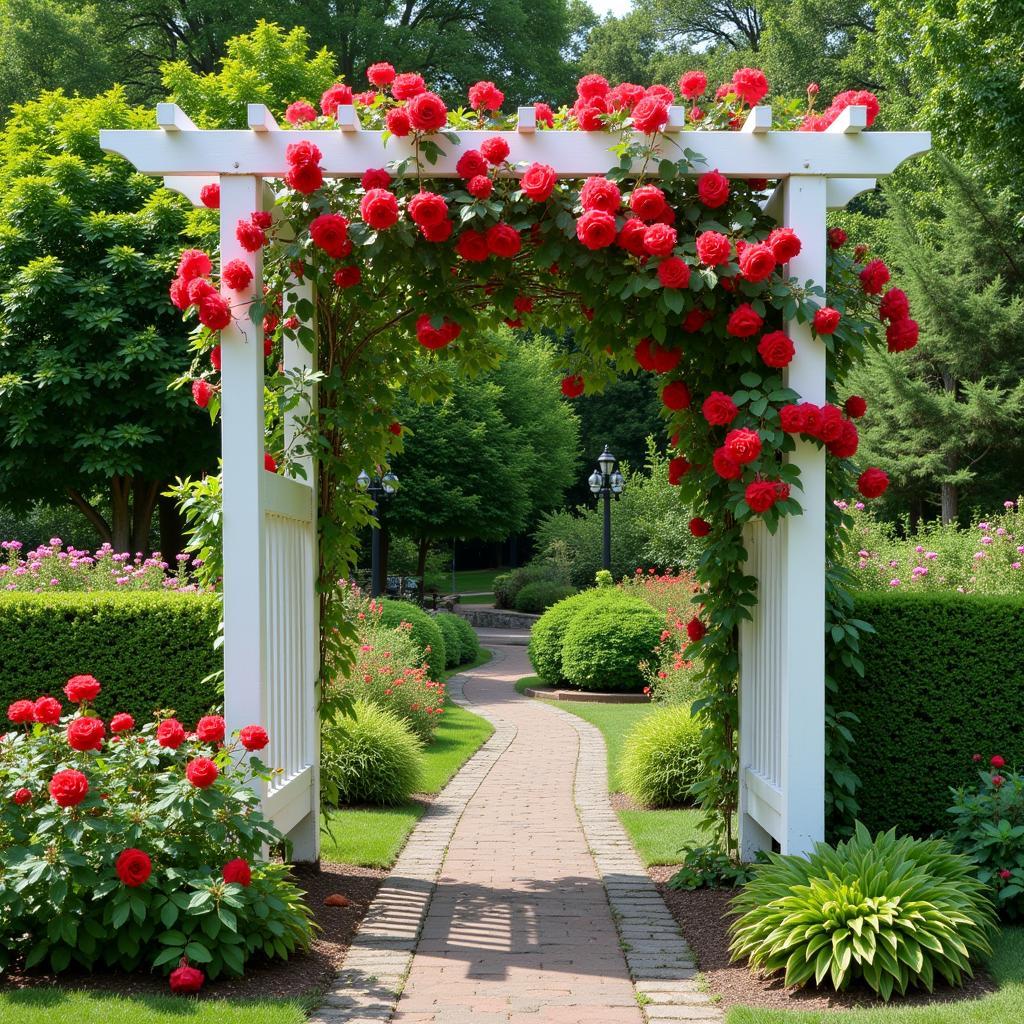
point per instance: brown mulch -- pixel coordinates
(703, 916)
(624, 802)
(303, 975)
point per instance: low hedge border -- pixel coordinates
(148, 650)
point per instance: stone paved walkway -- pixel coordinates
(541, 913)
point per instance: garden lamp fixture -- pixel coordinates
(379, 488)
(606, 482)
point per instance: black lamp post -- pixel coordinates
(604, 482)
(379, 488)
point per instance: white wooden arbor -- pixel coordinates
(270, 546)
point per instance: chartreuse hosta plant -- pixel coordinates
(137, 847)
(894, 913)
(673, 270)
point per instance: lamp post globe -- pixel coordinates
(605, 483)
(380, 488)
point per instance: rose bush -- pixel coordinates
(140, 848)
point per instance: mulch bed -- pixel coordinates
(304, 975)
(703, 916)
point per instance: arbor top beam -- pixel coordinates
(177, 148)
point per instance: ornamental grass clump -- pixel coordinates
(138, 847)
(895, 913)
(661, 758)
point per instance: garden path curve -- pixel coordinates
(518, 898)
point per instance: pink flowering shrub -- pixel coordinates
(137, 846)
(54, 567)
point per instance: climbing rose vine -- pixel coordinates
(662, 265)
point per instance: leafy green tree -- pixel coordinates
(89, 339)
(948, 420)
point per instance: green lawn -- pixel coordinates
(657, 835)
(373, 837)
(475, 579)
(59, 1006)
(1003, 1007)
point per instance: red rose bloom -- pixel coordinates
(472, 246)
(304, 178)
(812, 417)
(631, 237)
(194, 263)
(694, 320)
(657, 358)
(485, 96)
(725, 465)
(743, 322)
(269, 463)
(719, 409)
(215, 357)
(544, 114)
(22, 796)
(600, 194)
(209, 196)
(170, 733)
(901, 334)
(573, 386)
(21, 711)
(480, 187)
(713, 248)
(523, 304)
(375, 177)
(855, 407)
(494, 150)
(179, 293)
(677, 469)
(300, 111)
(380, 74)
(427, 209)
(68, 788)
(750, 85)
(845, 445)
(590, 86)
(80, 689)
(337, 95)
(122, 722)
(873, 482)
(304, 152)
(784, 244)
(699, 527)
(650, 115)
(625, 95)
(776, 349)
(433, 338)
(329, 232)
(210, 729)
(760, 495)
(757, 262)
(427, 112)
(713, 189)
(743, 445)
(997, 761)
(836, 238)
(379, 208)
(791, 419)
(830, 424)
(894, 305)
(826, 320)
(692, 84)
(397, 122)
(47, 711)
(199, 289)
(86, 734)
(250, 236)
(857, 98)
(214, 312)
(1005, 875)
(859, 252)
(237, 871)
(673, 273)
(874, 277)
(133, 867)
(659, 239)
(186, 980)
(347, 277)
(236, 274)
(647, 202)
(596, 229)
(407, 85)
(590, 113)
(538, 182)
(471, 164)
(503, 240)
(675, 396)
(201, 772)
(695, 629)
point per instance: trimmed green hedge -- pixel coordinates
(944, 679)
(425, 631)
(148, 650)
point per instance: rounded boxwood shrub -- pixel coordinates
(425, 631)
(661, 757)
(894, 912)
(603, 649)
(452, 639)
(369, 757)
(548, 633)
(508, 586)
(469, 642)
(538, 597)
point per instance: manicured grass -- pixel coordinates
(476, 599)
(657, 835)
(1003, 1007)
(373, 837)
(59, 1006)
(475, 579)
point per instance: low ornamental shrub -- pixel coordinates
(138, 847)
(661, 758)
(425, 632)
(508, 586)
(369, 757)
(452, 639)
(896, 913)
(604, 649)
(548, 633)
(942, 680)
(535, 598)
(45, 638)
(988, 827)
(469, 642)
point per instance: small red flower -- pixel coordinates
(826, 320)
(776, 349)
(743, 445)
(1005, 874)
(254, 737)
(202, 392)
(47, 711)
(494, 150)
(874, 277)
(236, 274)
(379, 208)
(329, 231)
(68, 788)
(485, 96)
(133, 867)
(210, 729)
(873, 482)
(170, 733)
(836, 238)
(269, 463)
(375, 177)
(382, 74)
(676, 395)
(695, 629)
(760, 495)
(713, 189)
(699, 527)
(209, 196)
(22, 796)
(21, 711)
(122, 722)
(186, 980)
(299, 112)
(855, 407)
(86, 733)
(719, 409)
(251, 237)
(237, 871)
(538, 182)
(573, 386)
(713, 248)
(743, 322)
(201, 772)
(784, 243)
(997, 761)
(997, 781)
(677, 469)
